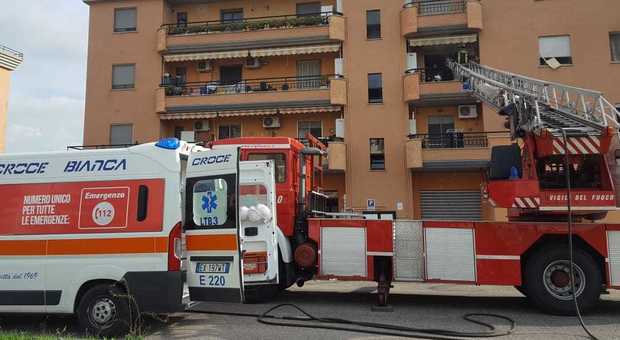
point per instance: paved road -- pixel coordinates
(415, 305)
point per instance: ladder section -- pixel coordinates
(539, 104)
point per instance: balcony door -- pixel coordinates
(309, 74)
(439, 128)
(230, 75)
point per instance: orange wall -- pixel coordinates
(251, 9)
(253, 126)
(388, 120)
(105, 106)
(5, 77)
(467, 125)
(285, 66)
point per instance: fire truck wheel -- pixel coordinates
(547, 278)
(105, 311)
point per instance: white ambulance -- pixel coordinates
(98, 233)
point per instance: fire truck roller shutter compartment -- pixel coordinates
(451, 205)
(408, 250)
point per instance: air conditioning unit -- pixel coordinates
(340, 128)
(253, 63)
(188, 136)
(271, 122)
(339, 66)
(201, 125)
(204, 66)
(468, 111)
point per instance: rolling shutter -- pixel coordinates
(451, 205)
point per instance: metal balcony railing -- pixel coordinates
(433, 75)
(457, 140)
(438, 7)
(250, 24)
(247, 86)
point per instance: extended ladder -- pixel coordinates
(535, 105)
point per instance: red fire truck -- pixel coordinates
(558, 170)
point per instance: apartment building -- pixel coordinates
(367, 76)
(9, 61)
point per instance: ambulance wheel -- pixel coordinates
(104, 311)
(547, 278)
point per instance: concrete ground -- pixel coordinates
(414, 305)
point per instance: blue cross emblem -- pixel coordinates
(209, 202)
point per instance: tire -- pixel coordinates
(548, 283)
(105, 311)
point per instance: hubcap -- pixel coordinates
(556, 278)
(103, 311)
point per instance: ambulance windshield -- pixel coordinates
(210, 202)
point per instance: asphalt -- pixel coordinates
(414, 305)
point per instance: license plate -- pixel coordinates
(220, 268)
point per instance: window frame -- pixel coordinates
(275, 153)
(233, 11)
(369, 26)
(372, 100)
(309, 3)
(309, 121)
(124, 86)
(229, 126)
(563, 60)
(615, 34)
(131, 129)
(371, 154)
(129, 29)
(232, 203)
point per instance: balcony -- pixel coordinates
(266, 93)
(452, 150)
(434, 87)
(273, 28)
(423, 15)
(337, 156)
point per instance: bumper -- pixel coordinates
(156, 292)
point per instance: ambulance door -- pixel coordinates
(212, 226)
(257, 216)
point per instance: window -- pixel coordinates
(375, 88)
(229, 131)
(230, 75)
(441, 132)
(231, 15)
(614, 42)
(377, 154)
(251, 195)
(312, 127)
(555, 50)
(308, 8)
(210, 202)
(182, 19)
(123, 76)
(279, 160)
(121, 134)
(373, 24)
(125, 20)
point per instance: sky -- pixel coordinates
(46, 103)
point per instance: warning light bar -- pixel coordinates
(168, 143)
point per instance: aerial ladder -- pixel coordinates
(549, 123)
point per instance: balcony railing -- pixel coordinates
(250, 24)
(438, 7)
(433, 75)
(247, 86)
(454, 140)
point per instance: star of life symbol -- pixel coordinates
(209, 202)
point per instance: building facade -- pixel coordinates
(367, 76)
(9, 60)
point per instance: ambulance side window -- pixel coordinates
(143, 202)
(210, 203)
